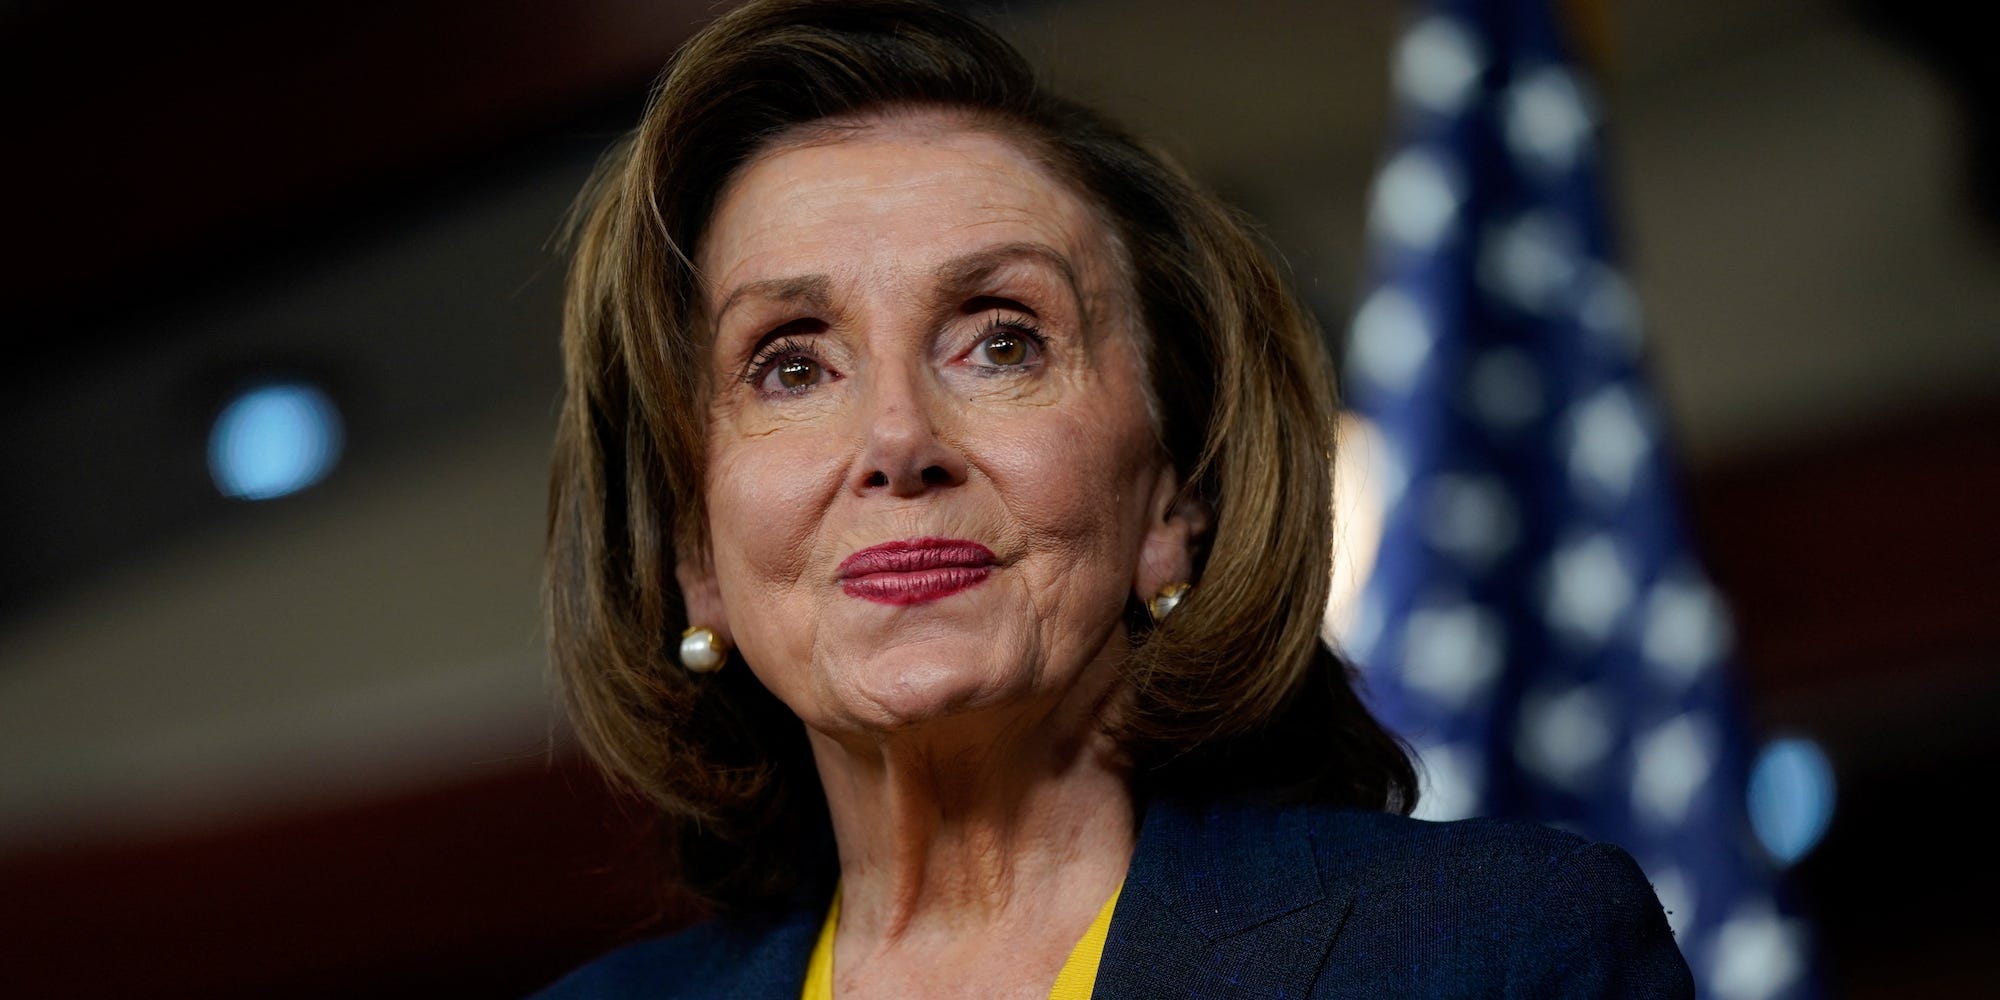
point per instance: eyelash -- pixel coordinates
(1016, 325)
(774, 352)
(784, 348)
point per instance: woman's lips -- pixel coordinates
(915, 571)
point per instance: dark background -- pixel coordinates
(305, 745)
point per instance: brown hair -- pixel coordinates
(1235, 691)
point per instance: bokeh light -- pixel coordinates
(274, 440)
(1791, 797)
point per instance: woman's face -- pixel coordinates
(932, 477)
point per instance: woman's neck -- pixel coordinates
(1003, 835)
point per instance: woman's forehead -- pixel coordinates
(913, 191)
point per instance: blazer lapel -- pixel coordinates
(1222, 900)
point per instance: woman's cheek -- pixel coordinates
(766, 499)
(1069, 473)
(766, 495)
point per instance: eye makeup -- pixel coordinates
(778, 362)
(1010, 344)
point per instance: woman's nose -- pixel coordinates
(902, 453)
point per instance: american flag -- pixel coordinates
(1536, 622)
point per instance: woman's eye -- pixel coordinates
(1006, 349)
(795, 372)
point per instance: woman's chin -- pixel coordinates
(905, 695)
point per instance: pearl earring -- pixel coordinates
(701, 650)
(1167, 600)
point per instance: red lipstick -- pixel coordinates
(915, 571)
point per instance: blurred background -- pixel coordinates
(280, 371)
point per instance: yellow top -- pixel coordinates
(1074, 982)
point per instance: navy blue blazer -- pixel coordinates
(1236, 900)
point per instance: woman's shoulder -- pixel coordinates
(1565, 916)
(708, 959)
(1496, 862)
(652, 967)
(1477, 901)
(1367, 838)
(1477, 848)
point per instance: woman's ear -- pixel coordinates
(1176, 523)
(694, 570)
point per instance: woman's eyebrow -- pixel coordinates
(815, 290)
(967, 271)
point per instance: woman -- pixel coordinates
(985, 462)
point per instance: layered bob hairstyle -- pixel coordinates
(1234, 692)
